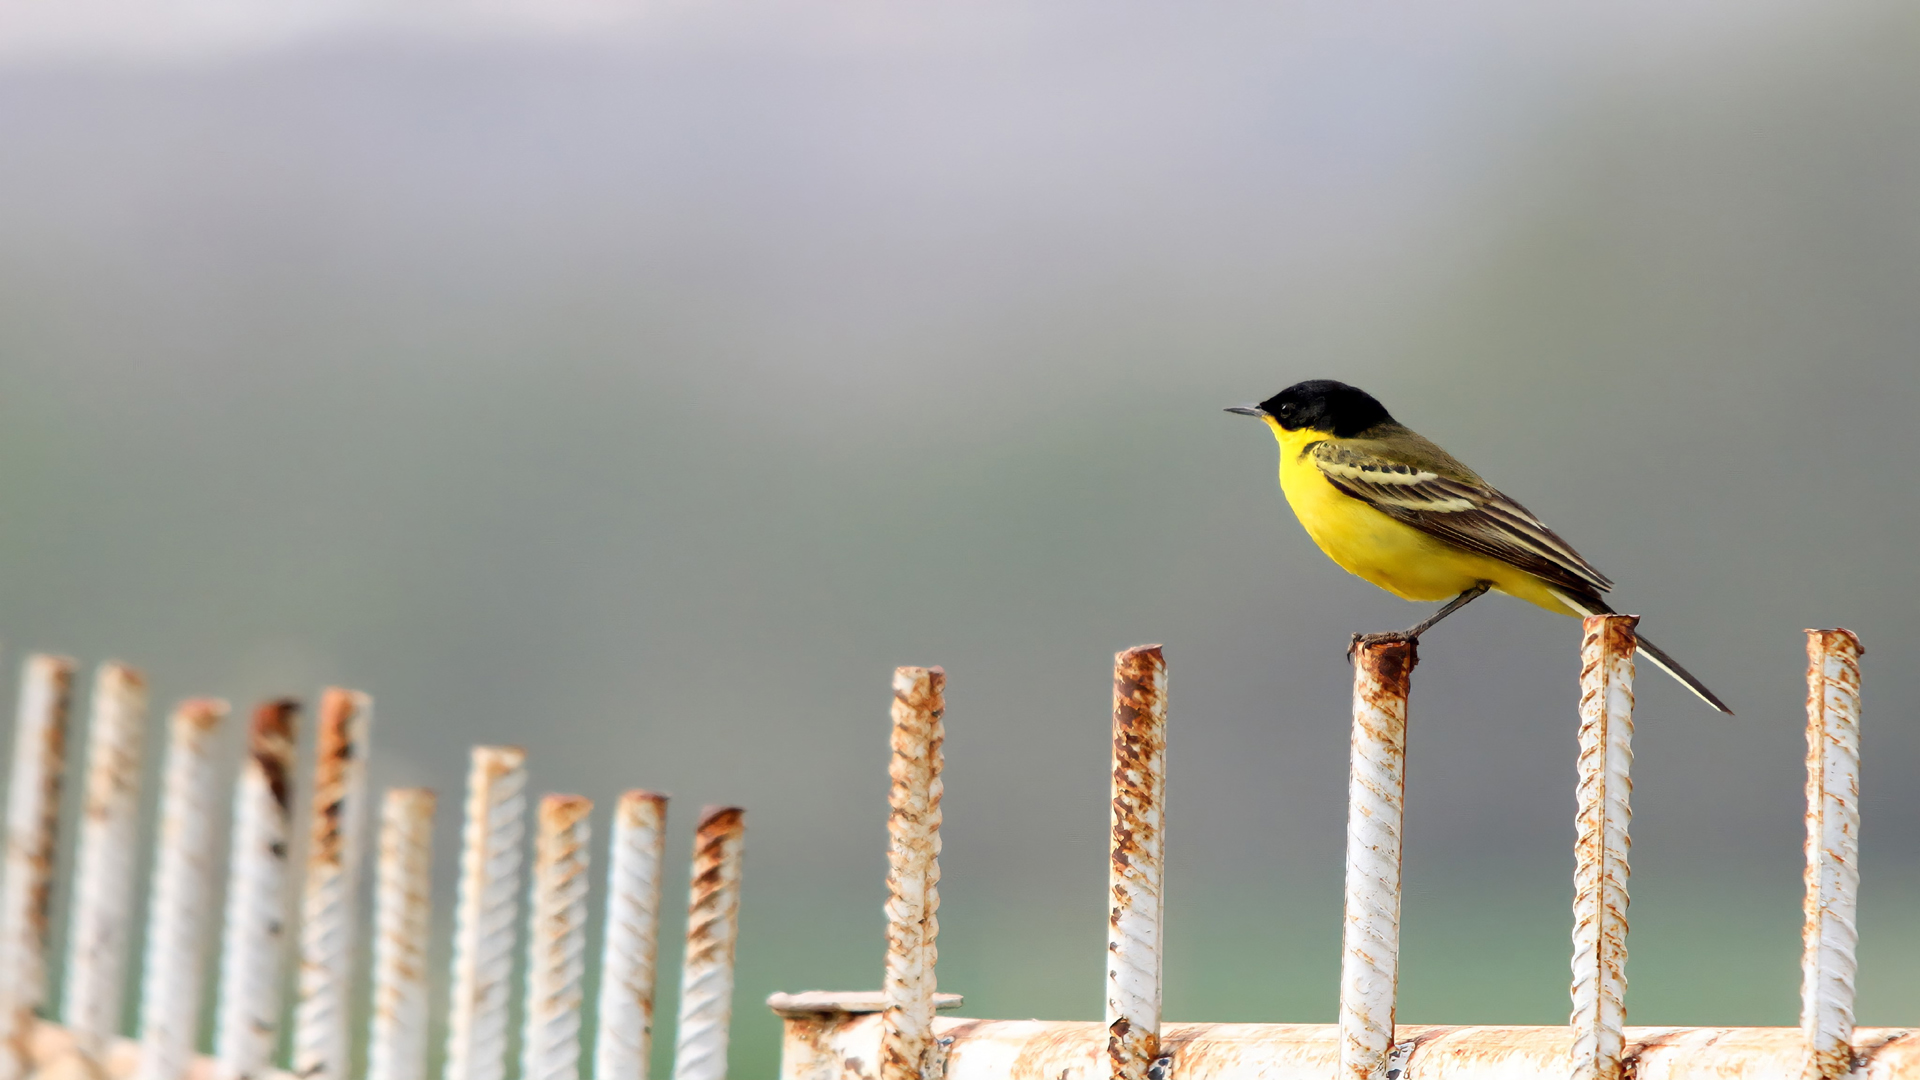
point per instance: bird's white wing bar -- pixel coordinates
(1472, 516)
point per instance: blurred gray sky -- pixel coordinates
(640, 386)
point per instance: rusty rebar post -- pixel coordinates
(1376, 803)
(706, 975)
(403, 915)
(1829, 937)
(97, 935)
(1601, 846)
(557, 939)
(247, 1028)
(487, 915)
(179, 913)
(1135, 861)
(33, 824)
(624, 1039)
(322, 1042)
(913, 870)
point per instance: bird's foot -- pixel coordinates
(1361, 641)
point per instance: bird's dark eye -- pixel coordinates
(1287, 409)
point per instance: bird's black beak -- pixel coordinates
(1247, 410)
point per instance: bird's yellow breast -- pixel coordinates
(1393, 555)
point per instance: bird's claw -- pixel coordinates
(1361, 640)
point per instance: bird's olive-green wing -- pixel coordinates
(1460, 509)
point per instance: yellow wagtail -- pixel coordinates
(1389, 506)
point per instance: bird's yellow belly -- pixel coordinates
(1397, 557)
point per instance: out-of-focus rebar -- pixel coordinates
(403, 912)
(33, 822)
(1376, 797)
(706, 976)
(1828, 937)
(182, 893)
(1601, 846)
(1135, 860)
(97, 937)
(487, 915)
(247, 1030)
(557, 939)
(625, 1036)
(322, 1042)
(913, 870)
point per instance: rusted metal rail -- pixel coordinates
(254, 907)
(247, 1030)
(322, 1044)
(1601, 844)
(849, 1036)
(1136, 869)
(402, 920)
(1376, 807)
(913, 870)
(890, 1034)
(1828, 937)
(632, 944)
(33, 818)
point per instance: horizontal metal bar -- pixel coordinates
(846, 1046)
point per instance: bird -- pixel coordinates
(1390, 506)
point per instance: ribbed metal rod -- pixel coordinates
(1136, 851)
(706, 975)
(97, 936)
(1829, 936)
(322, 1041)
(33, 824)
(403, 913)
(253, 951)
(179, 914)
(1601, 846)
(1376, 803)
(488, 914)
(913, 870)
(557, 939)
(624, 1039)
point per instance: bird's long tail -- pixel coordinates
(1587, 605)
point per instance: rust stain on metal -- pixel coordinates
(339, 713)
(717, 826)
(1829, 938)
(118, 687)
(1602, 846)
(270, 742)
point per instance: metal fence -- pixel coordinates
(893, 1034)
(263, 946)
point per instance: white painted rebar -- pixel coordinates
(1136, 852)
(403, 914)
(913, 870)
(488, 915)
(706, 975)
(1829, 937)
(1601, 847)
(1376, 803)
(33, 821)
(322, 1041)
(557, 939)
(253, 949)
(180, 911)
(97, 935)
(624, 1039)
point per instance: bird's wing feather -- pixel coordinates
(1457, 509)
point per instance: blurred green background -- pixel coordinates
(640, 384)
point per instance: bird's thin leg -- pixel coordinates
(1413, 634)
(1452, 606)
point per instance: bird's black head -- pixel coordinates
(1322, 405)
